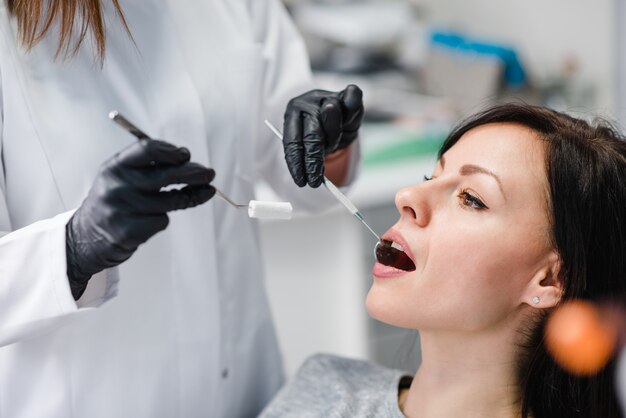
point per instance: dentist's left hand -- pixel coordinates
(318, 123)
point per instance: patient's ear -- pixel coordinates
(545, 288)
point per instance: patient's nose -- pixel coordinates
(412, 202)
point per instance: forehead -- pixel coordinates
(512, 151)
(499, 145)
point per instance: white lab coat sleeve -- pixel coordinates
(286, 74)
(35, 295)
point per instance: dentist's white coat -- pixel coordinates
(185, 330)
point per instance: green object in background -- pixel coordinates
(411, 147)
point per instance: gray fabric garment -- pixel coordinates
(333, 387)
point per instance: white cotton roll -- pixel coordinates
(269, 210)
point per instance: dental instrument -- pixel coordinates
(262, 210)
(333, 190)
(116, 117)
(392, 254)
(256, 208)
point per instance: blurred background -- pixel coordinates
(423, 65)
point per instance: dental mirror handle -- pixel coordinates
(342, 198)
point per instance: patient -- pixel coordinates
(526, 208)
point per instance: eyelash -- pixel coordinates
(468, 200)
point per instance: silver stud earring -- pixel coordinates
(536, 300)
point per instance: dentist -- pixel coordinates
(136, 304)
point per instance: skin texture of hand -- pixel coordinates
(125, 206)
(318, 123)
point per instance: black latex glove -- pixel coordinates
(317, 123)
(124, 206)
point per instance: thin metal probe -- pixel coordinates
(333, 190)
(116, 117)
(227, 199)
(360, 218)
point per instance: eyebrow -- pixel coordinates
(470, 169)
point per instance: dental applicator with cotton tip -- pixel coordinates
(269, 210)
(260, 209)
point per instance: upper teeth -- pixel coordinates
(397, 246)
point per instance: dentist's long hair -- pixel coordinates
(76, 21)
(585, 167)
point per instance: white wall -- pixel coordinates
(316, 282)
(620, 35)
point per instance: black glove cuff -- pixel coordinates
(77, 279)
(86, 257)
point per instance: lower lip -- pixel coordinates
(387, 272)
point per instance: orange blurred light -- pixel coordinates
(578, 339)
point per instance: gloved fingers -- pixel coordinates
(155, 178)
(310, 102)
(313, 142)
(138, 228)
(352, 98)
(331, 119)
(150, 153)
(159, 202)
(187, 197)
(293, 146)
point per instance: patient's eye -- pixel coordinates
(469, 200)
(426, 178)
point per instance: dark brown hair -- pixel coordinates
(35, 18)
(585, 166)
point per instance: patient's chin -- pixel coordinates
(383, 308)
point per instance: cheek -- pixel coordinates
(469, 269)
(478, 282)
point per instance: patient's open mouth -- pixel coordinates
(392, 254)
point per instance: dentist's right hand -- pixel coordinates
(125, 206)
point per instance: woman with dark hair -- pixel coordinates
(525, 210)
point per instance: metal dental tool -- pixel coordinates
(260, 209)
(256, 208)
(334, 190)
(116, 117)
(126, 124)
